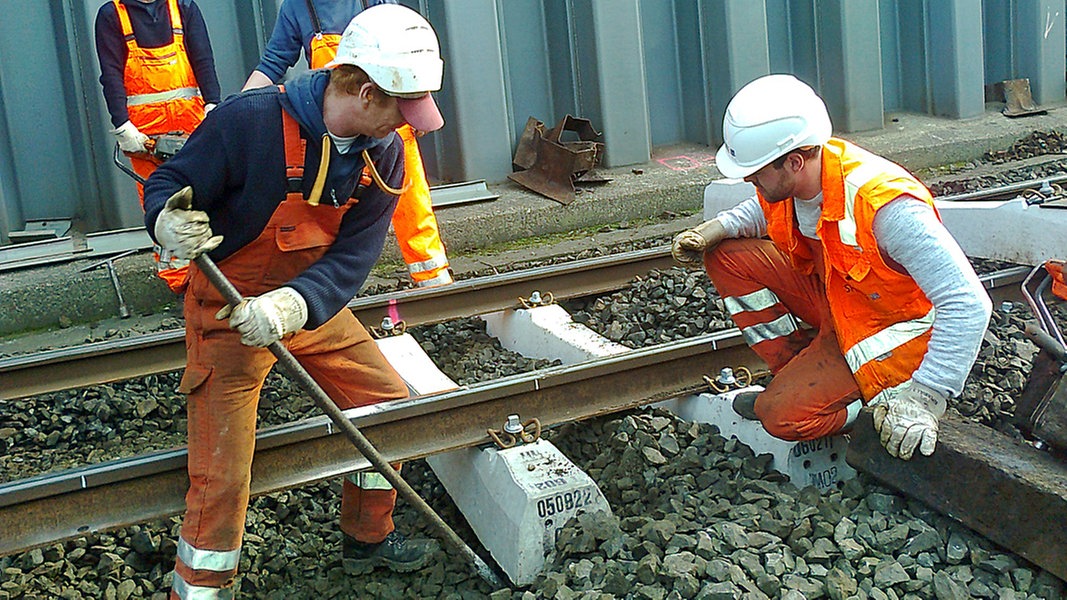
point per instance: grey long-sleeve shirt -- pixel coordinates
(911, 234)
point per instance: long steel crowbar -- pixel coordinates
(322, 400)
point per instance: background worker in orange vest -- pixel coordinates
(858, 252)
(315, 26)
(158, 75)
(270, 185)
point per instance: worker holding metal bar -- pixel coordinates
(158, 75)
(315, 26)
(857, 252)
(271, 186)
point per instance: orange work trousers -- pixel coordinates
(414, 223)
(223, 379)
(173, 271)
(812, 383)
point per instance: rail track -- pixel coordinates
(59, 506)
(64, 505)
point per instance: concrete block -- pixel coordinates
(548, 332)
(416, 369)
(722, 194)
(516, 499)
(1010, 492)
(1009, 230)
(820, 463)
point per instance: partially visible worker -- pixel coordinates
(857, 252)
(315, 26)
(272, 187)
(158, 75)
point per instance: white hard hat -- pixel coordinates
(767, 118)
(398, 50)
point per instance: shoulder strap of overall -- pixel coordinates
(315, 24)
(295, 148)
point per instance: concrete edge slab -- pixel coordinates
(1013, 494)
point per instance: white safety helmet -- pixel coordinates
(398, 50)
(767, 118)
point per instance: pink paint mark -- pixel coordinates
(394, 314)
(684, 162)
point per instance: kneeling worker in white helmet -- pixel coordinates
(288, 190)
(858, 252)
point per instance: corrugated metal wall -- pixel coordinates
(646, 72)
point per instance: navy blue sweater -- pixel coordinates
(151, 29)
(235, 163)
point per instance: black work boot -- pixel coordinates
(395, 552)
(745, 405)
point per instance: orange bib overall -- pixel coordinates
(162, 96)
(223, 379)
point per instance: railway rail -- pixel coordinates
(159, 352)
(59, 506)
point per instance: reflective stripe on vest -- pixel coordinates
(187, 591)
(186, 93)
(370, 480)
(754, 302)
(854, 181)
(208, 560)
(881, 343)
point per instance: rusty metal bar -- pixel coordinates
(1011, 493)
(61, 506)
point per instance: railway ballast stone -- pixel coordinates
(715, 522)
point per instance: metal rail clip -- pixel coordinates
(515, 432)
(388, 328)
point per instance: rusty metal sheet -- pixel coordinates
(551, 164)
(1011, 493)
(1018, 100)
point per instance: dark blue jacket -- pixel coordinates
(151, 29)
(235, 163)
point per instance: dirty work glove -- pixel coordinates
(184, 232)
(688, 246)
(909, 420)
(263, 320)
(130, 138)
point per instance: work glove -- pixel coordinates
(689, 246)
(909, 420)
(263, 320)
(183, 231)
(130, 138)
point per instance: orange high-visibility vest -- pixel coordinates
(883, 319)
(162, 95)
